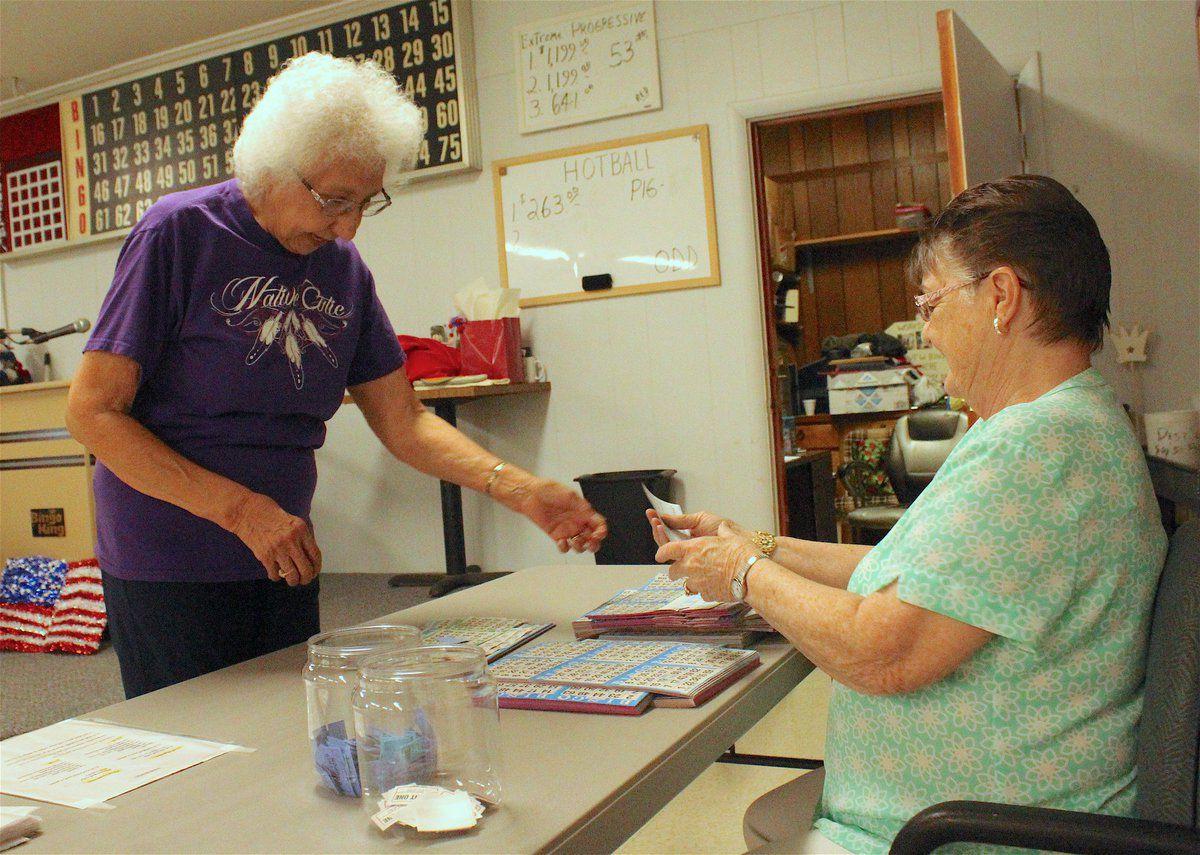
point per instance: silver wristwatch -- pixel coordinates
(738, 584)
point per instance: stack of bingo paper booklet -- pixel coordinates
(663, 609)
(677, 675)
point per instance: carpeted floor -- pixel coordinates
(37, 689)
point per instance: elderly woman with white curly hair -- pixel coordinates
(238, 316)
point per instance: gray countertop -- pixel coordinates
(571, 782)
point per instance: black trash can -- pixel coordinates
(619, 497)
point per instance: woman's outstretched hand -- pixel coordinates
(570, 521)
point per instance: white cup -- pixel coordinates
(810, 406)
(535, 372)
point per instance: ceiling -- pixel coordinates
(46, 42)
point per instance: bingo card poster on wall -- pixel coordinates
(105, 155)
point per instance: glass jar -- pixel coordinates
(329, 680)
(428, 715)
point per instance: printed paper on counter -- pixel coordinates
(82, 764)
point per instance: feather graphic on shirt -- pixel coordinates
(292, 317)
(318, 341)
(291, 347)
(266, 337)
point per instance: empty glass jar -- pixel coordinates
(330, 678)
(428, 715)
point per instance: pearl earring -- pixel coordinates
(996, 325)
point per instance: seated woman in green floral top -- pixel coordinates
(992, 645)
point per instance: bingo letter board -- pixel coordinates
(126, 144)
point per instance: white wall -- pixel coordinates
(679, 379)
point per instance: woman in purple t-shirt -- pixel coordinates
(238, 316)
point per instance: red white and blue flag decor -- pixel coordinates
(50, 606)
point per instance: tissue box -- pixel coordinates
(870, 391)
(493, 348)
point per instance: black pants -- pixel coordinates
(168, 632)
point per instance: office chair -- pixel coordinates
(1168, 760)
(919, 445)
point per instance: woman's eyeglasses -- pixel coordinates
(926, 303)
(335, 206)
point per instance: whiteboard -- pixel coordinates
(639, 209)
(582, 67)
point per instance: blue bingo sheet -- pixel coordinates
(335, 756)
(569, 695)
(666, 668)
(407, 757)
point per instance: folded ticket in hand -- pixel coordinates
(666, 508)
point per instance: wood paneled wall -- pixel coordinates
(846, 171)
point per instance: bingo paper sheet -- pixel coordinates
(681, 670)
(494, 635)
(661, 595)
(82, 764)
(519, 695)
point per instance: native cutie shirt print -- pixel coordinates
(290, 319)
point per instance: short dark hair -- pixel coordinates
(1034, 225)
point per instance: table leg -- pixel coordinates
(458, 573)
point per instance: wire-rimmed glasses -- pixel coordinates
(336, 206)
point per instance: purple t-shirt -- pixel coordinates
(246, 350)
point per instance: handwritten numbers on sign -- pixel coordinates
(580, 68)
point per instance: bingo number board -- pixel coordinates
(127, 144)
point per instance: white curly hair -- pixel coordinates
(319, 109)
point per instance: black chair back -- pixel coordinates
(920, 444)
(1168, 786)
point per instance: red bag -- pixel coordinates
(427, 357)
(493, 348)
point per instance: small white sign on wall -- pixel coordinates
(580, 68)
(1174, 436)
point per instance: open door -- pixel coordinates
(983, 133)
(1031, 107)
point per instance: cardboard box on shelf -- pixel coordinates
(870, 391)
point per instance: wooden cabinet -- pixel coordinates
(781, 224)
(45, 477)
(816, 433)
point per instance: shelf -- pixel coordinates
(857, 237)
(865, 167)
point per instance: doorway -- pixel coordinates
(830, 187)
(828, 177)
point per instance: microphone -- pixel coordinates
(77, 326)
